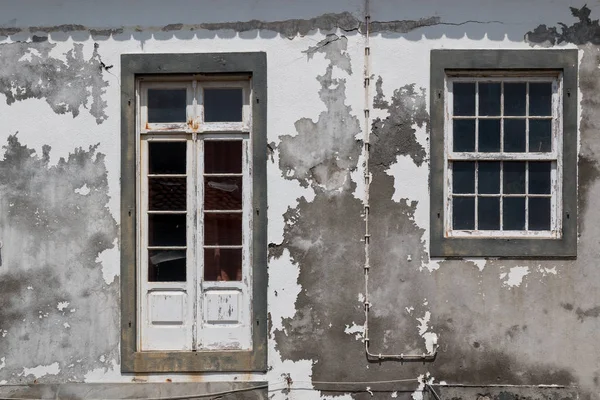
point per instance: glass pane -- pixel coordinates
(223, 105)
(167, 105)
(540, 135)
(166, 266)
(540, 98)
(514, 135)
(513, 213)
(166, 229)
(489, 177)
(488, 213)
(464, 135)
(222, 264)
(167, 194)
(463, 213)
(539, 177)
(463, 98)
(539, 213)
(489, 99)
(515, 96)
(489, 135)
(223, 193)
(514, 177)
(222, 157)
(463, 177)
(167, 157)
(223, 229)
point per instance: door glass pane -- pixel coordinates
(167, 105)
(166, 266)
(223, 229)
(488, 213)
(540, 135)
(222, 157)
(539, 213)
(463, 177)
(540, 98)
(222, 264)
(222, 193)
(167, 194)
(514, 135)
(463, 98)
(489, 135)
(167, 229)
(515, 96)
(223, 105)
(489, 99)
(463, 213)
(167, 157)
(514, 177)
(489, 177)
(513, 213)
(539, 177)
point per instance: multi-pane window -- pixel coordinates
(194, 213)
(503, 156)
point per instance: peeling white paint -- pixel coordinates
(109, 259)
(66, 325)
(84, 190)
(62, 305)
(2, 362)
(515, 276)
(478, 262)
(41, 370)
(357, 330)
(546, 271)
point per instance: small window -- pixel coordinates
(194, 213)
(503, 145)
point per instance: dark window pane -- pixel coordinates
(540, 135)
(489, 177)
(167, 157)
(464, 135)
(513, 213)
(463, 177)
(166, 266)
(489, 135)
(222, 264)
(488, 213)
(515, 97)
(222, 193)
(222, 157)
(489, 99)
(463, 213)
(167, 194)
(539, 177)
(464, 98)
(223, 229)
(514, 177)
(166, 105)
(539, 213)
(166, 229)
(223, 105)
(514, 135)
(540, 98)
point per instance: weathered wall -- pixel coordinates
(497, 322)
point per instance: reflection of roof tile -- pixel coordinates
(219, 194)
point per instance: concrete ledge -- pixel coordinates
(97, 391)
(503, 393)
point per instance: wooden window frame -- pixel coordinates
(448, 65)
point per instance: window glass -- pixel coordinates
(223, 105)
(167, 105)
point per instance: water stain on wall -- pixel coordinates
(28, 70)
(56, 308)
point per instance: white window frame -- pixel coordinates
(195, 133)
(555, 156)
